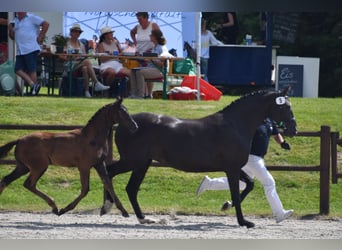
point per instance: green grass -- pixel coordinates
(166, 190)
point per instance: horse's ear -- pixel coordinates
(285, 91)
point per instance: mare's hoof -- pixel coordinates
(248, 224)
(146, 221)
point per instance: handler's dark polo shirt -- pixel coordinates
(262, 137)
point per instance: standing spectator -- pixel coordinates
(28, 31)
(3, 37)
(151, 71)
(229, 28)
(207, 39)
(140, 34)
(255, 167)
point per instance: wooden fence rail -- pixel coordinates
(328, 152)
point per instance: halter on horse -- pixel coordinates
(218, 142)
(82, 148)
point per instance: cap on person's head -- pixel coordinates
(77, 27)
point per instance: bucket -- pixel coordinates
(209, 91)
(7, 84)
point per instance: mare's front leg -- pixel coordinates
(109, 189)
(132, 189)
(249, 185)
(235, 193)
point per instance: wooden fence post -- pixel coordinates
(325, 170)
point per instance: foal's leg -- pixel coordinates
(235, 193)
(19, 171)
(112, 170)
(31, 183)
(108, 186)
(84, 175)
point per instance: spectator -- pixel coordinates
(3, 37)
(140, 34)
(110, 67)
(229, 28)
(255, 167)
(81, 66)
(28, 31)
(207, 39)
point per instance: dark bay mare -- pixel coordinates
(218, 142)
(81, 148)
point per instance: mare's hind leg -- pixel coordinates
(108, 186)
(132, 189)
(84, 175)
(31, 183)
(235, 193)
(19, 171)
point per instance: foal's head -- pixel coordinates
(120, 115)
(281, 112)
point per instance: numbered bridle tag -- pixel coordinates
(281, 100)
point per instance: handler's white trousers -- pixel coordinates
(255, 168)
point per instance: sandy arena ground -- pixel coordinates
(18, 225)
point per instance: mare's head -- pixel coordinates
(120, 115)
(281, 112)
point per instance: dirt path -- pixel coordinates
(16, 225)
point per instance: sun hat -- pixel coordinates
(76, 26)
(106, 30)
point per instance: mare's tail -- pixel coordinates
(6, 148)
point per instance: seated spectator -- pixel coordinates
(82, 66)
(152, 70)
(110, 67)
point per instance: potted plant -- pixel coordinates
(60, 42)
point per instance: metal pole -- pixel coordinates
(198, 53)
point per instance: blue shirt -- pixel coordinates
(26, 32)
(262, 137)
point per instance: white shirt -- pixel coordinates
(26, 32)
(207, 40)
(143, 38)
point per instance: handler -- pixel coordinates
(255, 167)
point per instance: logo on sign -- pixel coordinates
(286, 75)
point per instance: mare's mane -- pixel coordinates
(244, 97)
